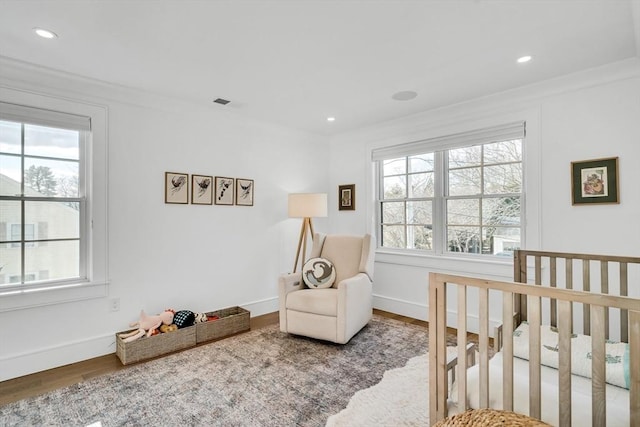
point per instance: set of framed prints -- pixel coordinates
(207, 190)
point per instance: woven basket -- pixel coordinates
(231, 321)
(157, 345)
(490, 417)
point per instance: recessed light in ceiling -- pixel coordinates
(405, 95)
(524, 59)
(331, 119)
(221, 101)
(46, 34)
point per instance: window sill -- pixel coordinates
(465, 264)
(39, 297)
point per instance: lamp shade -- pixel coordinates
(307, 205)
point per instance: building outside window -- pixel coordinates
(457, 194)
(42, 197)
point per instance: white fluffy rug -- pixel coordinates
(401, 398)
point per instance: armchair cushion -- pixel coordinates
(317, 301)
(318, 273)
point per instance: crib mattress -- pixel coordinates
(617, 397)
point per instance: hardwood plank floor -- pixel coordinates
(52, 379)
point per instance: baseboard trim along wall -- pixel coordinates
(421, 312)
(20, 364)
(260, 307)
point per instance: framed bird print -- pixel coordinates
(176, 188)
(244, 192)
(201, 190)
(224, 191)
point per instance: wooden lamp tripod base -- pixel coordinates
(306, 229)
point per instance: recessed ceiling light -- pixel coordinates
(331, 119)
(524, 59)
(45, 33)
(221, 101)
(405, 95)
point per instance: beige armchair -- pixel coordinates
(337, 313)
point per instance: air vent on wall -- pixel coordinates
(221, 101)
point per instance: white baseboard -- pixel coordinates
(421, 312)
(19, 364)
(265, 306)
(403, 307)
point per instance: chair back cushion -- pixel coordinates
(345, 252)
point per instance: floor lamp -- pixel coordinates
(306, 206)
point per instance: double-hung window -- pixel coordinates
(457, 194)
(43, 218)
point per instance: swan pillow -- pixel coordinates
(318, 273)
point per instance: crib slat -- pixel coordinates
(565, 314)
(634, 366)
(624, 291)
(553, 283)
(484, 347)
(586, 287)
(462, 349)
(520, 275)
(604, 288)
(507, 349)
(568, 273)
(534, 356)
(538, 270)
(598, 365)
(435, 412)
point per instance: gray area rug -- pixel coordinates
(260, 378)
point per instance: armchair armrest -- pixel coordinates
(287, 283)
(359, 280)
(355, 305)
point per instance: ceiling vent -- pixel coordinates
(221, 101)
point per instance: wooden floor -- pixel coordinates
(52, 379)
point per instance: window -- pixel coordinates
(458, 194)
(42, 199)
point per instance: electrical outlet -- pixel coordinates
(114, 304)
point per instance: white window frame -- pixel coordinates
(439, 146)
(94, 280)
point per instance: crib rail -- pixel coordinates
(598, 304)
(579, 272)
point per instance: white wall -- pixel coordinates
(192, 257)
(589, 115)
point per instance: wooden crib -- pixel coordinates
(550, 299)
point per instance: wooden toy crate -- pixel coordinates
(157, 345)
(231, 321)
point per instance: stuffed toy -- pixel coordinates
(168, 328)
(200, 317)
(184, 318)
(147, 324)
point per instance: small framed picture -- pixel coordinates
(347, 197)
(244, 192)
(201, 190)
(595, 181)
(224, 191)
(176, 187)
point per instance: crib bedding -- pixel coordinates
(617, 397)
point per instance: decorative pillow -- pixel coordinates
(617, 353)
(184, 318)
(318, 273)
